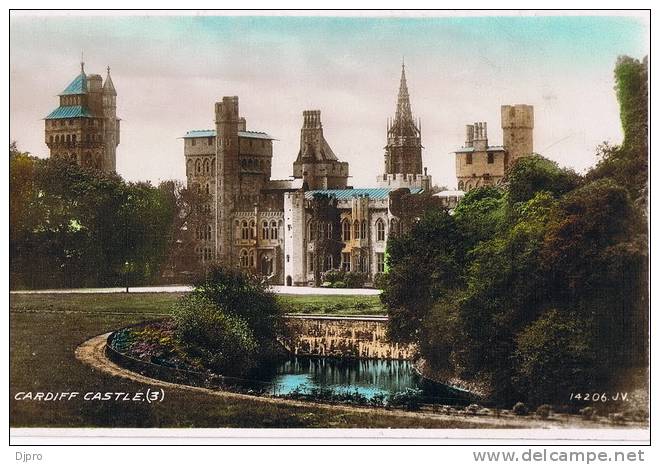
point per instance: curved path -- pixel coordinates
(92, 352)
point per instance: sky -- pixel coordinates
(169, 70)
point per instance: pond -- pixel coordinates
(368, 377)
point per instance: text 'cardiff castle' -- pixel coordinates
(275, 227)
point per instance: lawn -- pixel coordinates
(46, 329)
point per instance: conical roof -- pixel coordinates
(108, 86)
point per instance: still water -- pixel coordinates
(368, 377)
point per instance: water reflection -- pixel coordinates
(368, 377)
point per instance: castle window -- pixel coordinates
(491, 158)
(244, 258)
(207, 236)
(51, 139)
(310, 262)
(461, 185)
(320, 234)
(327, 263)
(394, 226)
(207, 189)
(209, 141)
(251, 259)
(346, 261)
(363, 230)
(73, 138)
(310, 231)
(380, 230)
(253, 230)
(273, 230)
(345, 230)
(193, 142)
(198, 166)
(380, 262)
(245, 232)
(356, 229)
(329, 236)
(207, 167)
(265, 232)
(468, 158)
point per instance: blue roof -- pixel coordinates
(375, 193)
(78, 86)
(75, 111)
(211, 133)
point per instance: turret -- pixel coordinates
(518, 130)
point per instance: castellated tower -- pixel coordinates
(518, 131)
(84, 128)
(317, 165)
(227, 122)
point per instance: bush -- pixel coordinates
(339, 285)
(411, 399)
(355, 280)
(520, 409)
(332, 276)
(543, 411)
(223, 343)
(380, 280)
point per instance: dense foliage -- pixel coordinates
(230, 321)
(72, 227)
(536, 288)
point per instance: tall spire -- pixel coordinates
(108, 86)
(403, 111)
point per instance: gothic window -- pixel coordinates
(380, 262)
(266, 265)
(327, 263)
(209, 141)
(363, 229)
(245, 232)
(51, 139)
(380, 230)
(310, 231)
(73, 138)
(193, 142)
(198, 166)
(207, 168)
(212, 166)
(253, 229)
(346, 230)
(208, 232)
(491, 158)
(310, 262)
(251, 258)
(356, 229)
(394, 226)
(265, 232)
(468, 158)
(461, 185)
(329, 231)
(346, 261)
(273, 230)
(207, 189)
(244, 258)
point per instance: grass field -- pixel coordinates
(46, 329)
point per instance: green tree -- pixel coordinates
(535, 173)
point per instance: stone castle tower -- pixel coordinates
(84, 128)
(480, 164)
(317, 165)
(403, 152)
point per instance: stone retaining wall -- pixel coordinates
(358, 337)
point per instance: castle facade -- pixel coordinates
(270, 226)
(84, 128)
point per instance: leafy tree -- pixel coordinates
(535, 173)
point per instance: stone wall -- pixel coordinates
(355, 337)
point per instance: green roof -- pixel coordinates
(75, 111)
(78, 86)
(211, 133)
(375, 193)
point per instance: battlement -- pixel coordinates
(312, 119)
(399, 180)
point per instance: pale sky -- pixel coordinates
(169, 71)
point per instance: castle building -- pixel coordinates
(479, 164)
(271, 227)
(84, 128)
(403, 151)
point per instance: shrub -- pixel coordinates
(543, 411)
(332, 276)
(355, 280)
(380, 280)
(339, 284)
(520, 409)
(223, 343)
(410, 399)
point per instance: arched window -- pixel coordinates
(207, 167)
(356, 229)
(52, 139)
(273, 230)
(244, 258)
(346, 230)
(212, 166)
(253, 229)
(251, 259)
(245, 232)
(363, 229)
(208, 232)
(237, 226)
(198, 166)
(265, 232)
(327, 263)
(310, 231)
(461, 185)
(329, 231)
(380, 230)
(207, 189)
(320, 233)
